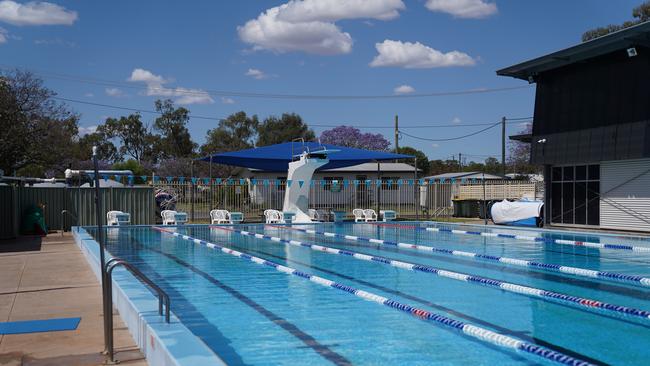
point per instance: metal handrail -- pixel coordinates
(108, 310)
(76, 219)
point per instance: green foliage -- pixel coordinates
(422, 159)
(287, 128)
(236, 132)
(35, 130)
(640, 14)
(175, 140)
(134, 138)
(106, 150)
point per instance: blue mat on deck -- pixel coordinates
(35, 326)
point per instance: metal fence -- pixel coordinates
(410, 198)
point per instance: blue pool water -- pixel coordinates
(253, 314)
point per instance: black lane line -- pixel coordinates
(513, 355)
(594, 311)
(307, 339)
(552, 277)
(204, 329)
(545, 248)
(521, 335)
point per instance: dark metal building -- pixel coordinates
(591, 130)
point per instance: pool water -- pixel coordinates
(255, 315)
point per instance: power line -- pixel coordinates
(141, 110)
(452, 138)
(243, 94)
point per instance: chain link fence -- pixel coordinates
(411, 199)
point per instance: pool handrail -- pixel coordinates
(108, 311)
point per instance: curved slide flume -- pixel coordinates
(577, 243)
(580, 302)
(470, 330)
(581, 272)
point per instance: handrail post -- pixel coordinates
(108, 310)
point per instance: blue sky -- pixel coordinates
(152, 49)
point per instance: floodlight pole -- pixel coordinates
(416, 189)
(107, 308)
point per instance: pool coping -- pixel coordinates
(162, 344)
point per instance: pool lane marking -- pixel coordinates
(577, 243)
(496, 327)
(485, 281)
(468, 329)
(581, 272)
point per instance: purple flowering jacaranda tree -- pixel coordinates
(352, 137)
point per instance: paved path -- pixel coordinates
(49, 277)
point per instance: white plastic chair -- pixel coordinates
(171, 217)
(114, 218)
(359, 215)
(273, 216)
(370, 215)
(219, 217)
(225, 217)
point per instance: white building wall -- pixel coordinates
(625, 195)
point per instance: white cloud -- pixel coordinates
(3, 35)
(256, 74)
(114, 92)
(89, 95)
(55, 42)
(404, 89)
(456, 120)
(308, 25)
(434, 145)
(35, 13)
(333, 10)
(463, 8)
(226, 100)
(416, 56)
(156, 87)
(86, 130)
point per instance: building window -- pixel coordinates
(575, 195)
(333, 184)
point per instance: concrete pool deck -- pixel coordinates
(49, 277)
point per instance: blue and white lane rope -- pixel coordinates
(482, 334)
(577, 243)
(582, 272)
(485, 281)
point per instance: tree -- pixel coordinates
(519, 155)
(236, 132)
(175, 141)
(493, 166)
(134, 138)
(640, 14)
(422, 159)
(36, 132)
(284, 129)
(106, 150)
(352, 137)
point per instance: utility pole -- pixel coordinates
(460, 162)
(503, 145)
(396, 133)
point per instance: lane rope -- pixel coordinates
(581, 272)
(481, 334)
(485, 281)
(576, 243)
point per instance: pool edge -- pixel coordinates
(162, 344)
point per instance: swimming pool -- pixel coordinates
(400, 293)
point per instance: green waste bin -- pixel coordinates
(33, 222)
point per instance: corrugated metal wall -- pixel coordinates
(7, 227)
(79, 202)
(625, 195)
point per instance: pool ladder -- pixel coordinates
(163, 298)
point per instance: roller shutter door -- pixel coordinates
(625, 195)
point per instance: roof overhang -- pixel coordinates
(638, 35)
(526, 137)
